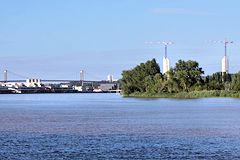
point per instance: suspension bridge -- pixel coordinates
(19, 78)
(35, 85)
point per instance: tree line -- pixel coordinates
(185, 76)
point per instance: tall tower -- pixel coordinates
(166, 61)
(166, 65)
(225, 65)
(225, 62)
(5, 76)
(82, 76)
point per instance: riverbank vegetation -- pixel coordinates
(184, 80)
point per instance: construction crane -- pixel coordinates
(225, 62)
(225, 67)
(166, 61)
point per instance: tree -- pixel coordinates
(214, 82)
(188, 73)
(171, 83)
(139, 79)
(235, 84)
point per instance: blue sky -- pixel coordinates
(55, 39)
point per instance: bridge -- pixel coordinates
(32, 85)
(59, 81)
(24, 78)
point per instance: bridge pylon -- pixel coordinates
(5, 76)
(82, 76)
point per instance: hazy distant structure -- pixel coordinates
(5, 76)
(82, 76)
(110, 78)
(33, 83)
(166, 61)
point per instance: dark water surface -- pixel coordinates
(107, 126)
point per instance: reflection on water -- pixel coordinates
(107, 126)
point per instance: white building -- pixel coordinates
(225, 65)
(110, 78)
(78, 88)
(166, 65)
(97, 90)
(10, 84)
(65, 86)
(33, 83)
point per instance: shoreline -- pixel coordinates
(4, 93)
(188, 95)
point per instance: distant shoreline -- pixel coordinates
(2, 93)
(188, 95)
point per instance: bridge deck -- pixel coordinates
(63, 81)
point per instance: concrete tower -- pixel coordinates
(166, 61)
(166, 65)
(82, 72)
(5, 75)
(225, 65)
(225, 62)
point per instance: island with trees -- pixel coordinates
(185, 80)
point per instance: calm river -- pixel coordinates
(107, 126)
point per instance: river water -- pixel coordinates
(108, 126)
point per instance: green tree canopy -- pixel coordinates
(135, 80)
(235, 84)
(188, 73)
(186, 76)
